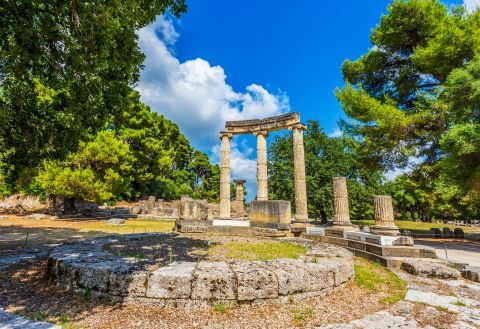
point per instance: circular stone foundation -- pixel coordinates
(177, 271)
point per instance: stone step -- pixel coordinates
(383, 251)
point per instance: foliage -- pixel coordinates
(325, 157)
(415, 95)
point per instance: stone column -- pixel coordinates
(225, 176)
(340, 200)
(301, 214)
(262, 174)
(384, 224)
(240, 195)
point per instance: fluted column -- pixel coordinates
(240, 195)
(301, 214)
(340, 200)
(262, 175)
(384, 217)
(225, 176)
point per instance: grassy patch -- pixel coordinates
(33, 315)
(418, 227)
(460, 303)
(377, 278)
(220, 308)
(302, 314)
(266, 250)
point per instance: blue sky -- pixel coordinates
(240, 59)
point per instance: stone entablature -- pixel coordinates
(86, 266)
(268, 124)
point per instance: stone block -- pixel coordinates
(254, 281)
(471, 273)
(429, 269)
(172, 281)
(116, 221)
(214, 280)
(458, 233)
(191, 209)
(292, 277)
(436, 232)
(316, 230)
(271, 211)
(93, 276)
(447, 232)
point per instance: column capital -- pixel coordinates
(298, 126)
(225, 134)
(261, 132)
(239, 181)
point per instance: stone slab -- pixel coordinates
(271, 211)
(430, 269)
(214, 280)
(471, 273)
(231, 222)
(172, 281)
(316, 230)
(254, 281)
(9, 321)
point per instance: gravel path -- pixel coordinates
(458, 251)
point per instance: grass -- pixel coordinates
(36, 315)
(266, 250)
(94, 225)
(302, 314)
(460, 303)
(220, 308)
(417, 227)
(377, 278)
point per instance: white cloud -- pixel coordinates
(471, 5)
(196, 96)
(336, 133)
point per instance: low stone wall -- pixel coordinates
(199, 284)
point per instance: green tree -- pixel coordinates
(325, 158)
(415, 94)
(66, 68)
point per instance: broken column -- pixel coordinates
(384, 217)
(340, 202)
(262, 174)
(301, 214)
(225, 176)
(238, 206)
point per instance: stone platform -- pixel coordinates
(86, 266)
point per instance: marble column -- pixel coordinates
(384, 217)
(240, 195)
(225, 176)
(301, 214)
(340, 200)
(262, 174)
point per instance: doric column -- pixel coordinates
(384, 218)
(340, 200)
(262, 175)
(240, 195)
(301, 214)
(225, 176)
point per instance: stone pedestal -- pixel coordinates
(191, 209)
(238, 206)
(271, 214)
(262, 174)
(225, 176)
(301, 214)
(384, 218)
(340, 200)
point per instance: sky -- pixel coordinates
(246, 59)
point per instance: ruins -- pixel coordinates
(261, 128)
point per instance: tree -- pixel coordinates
(325, 157)
(415, 95)
(66, 68)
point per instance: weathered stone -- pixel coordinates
(116, 221)
(58, 205)
(429, 269)
(192, 209)
(172, 281)
(214, 280)
(458, 233)
(340, 200)
(447, 232)
(254, 281)
(225, 176)
(12, 209)
(471, 273)
(262, 174)
(292, 277)
(93, 277)
(136, 210)
(436, 232)
(384, 217)
(301, 213)
(271, 211)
